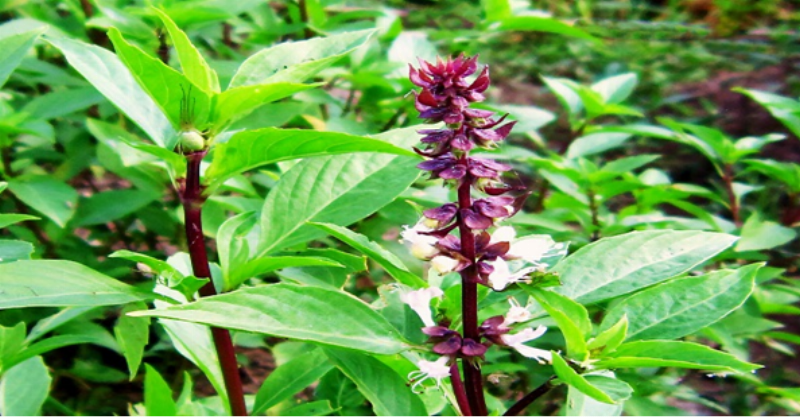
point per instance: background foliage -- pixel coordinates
(632, 116)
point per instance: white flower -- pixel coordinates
(444, 264)
(516, 314)
(501, 276)
(530, 248)
(517, 342)
(422, 246)
(526, 254)
(438, 370)
(420, 302)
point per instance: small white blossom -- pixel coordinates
(420, 302)
(444, 264)
(422, 246)
(501, 277)
(526, 254)
(436, 370)
(517, 342)
(516, 314)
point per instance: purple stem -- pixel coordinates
(458, 388)
(192, 199)
(469, 299)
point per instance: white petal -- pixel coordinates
(420, 302)
(503, 234)
(444, 264)
(541, 355)
(532, 248)
(525, 335)
(501, 276)
(516, 314)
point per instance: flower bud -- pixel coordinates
(191, 141)
(444, 264)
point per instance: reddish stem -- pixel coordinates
(527, 400)
(192, 199)
(727, 178)
(469, 299)
(458, 388)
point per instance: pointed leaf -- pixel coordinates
(236, 103)
(251, 149)
(312, 314)
(183, 103)
(111, 78)
(387, 391)
(24, 388)
(334, 189)
(157, 394)
(132, 334)
(13, 48)
(622, 264)
(261, 266)
(391, 263)
(296, 61)
(685, 305)
(572, 378)
(55, 283)
(291, 378)
(192, 63)
(662, 353)
(54, 199)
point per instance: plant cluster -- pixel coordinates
(203, 205)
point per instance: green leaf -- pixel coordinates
(661, 353)
(48, 344)
(782, 108)
(236, 103)
(312, 314)
(540, 24)
(334, 189)
(291, 378)
(570, 377)
(296, 61)
(24, 388)
(760, 234)
(15, 250)
(571, 317)
(194, 342)
(232, 244)
(62, 103)
(193, 65)
(13, 48)
(251, 149)
(622, 264)
(111, 78)
(496, 9)
(610, 338)
(595, 143)
(183, 103)
(391, 263)
(56, 283)
(616, 89)
(162, 268)
(387, 391)
(313, 408)
(111, 205)
(564, 90)
(580, 404)
(12, 341)
(685, 305)
(132, 334)
(157, 394)
(261, 266)
(113, 134)
(14, 218)
(54, 199)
